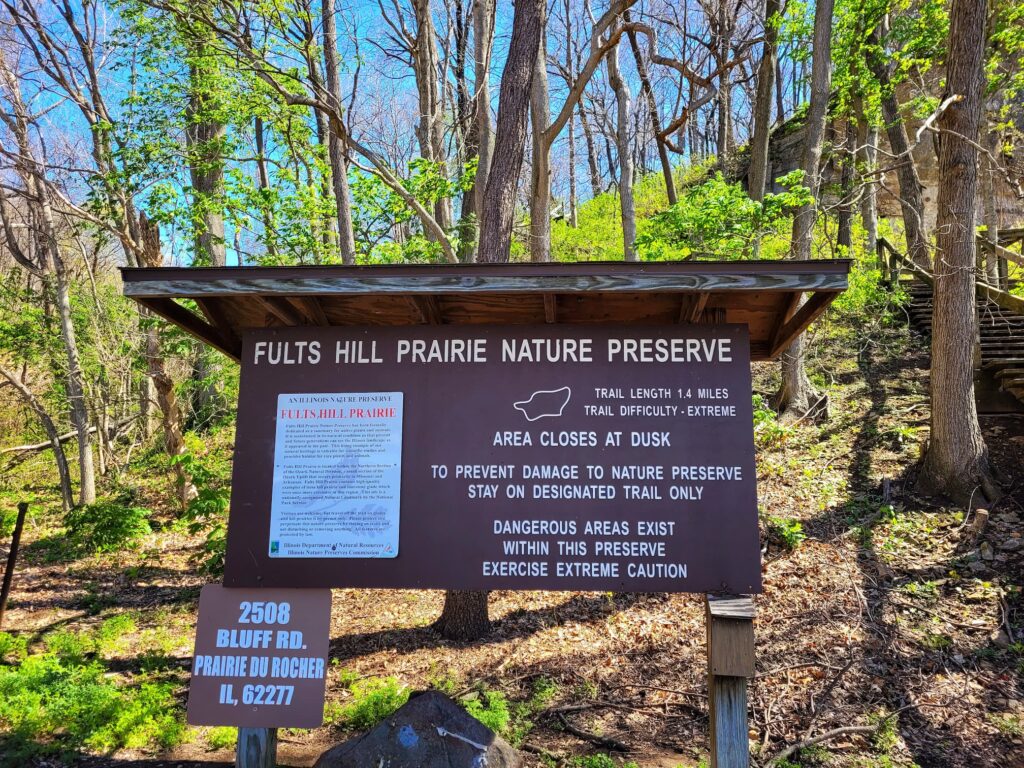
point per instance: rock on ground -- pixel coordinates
(430, 731)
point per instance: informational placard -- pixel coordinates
(337, 475)
(261, 658)
(522, 457)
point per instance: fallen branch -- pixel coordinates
(34, 447)
(114, 431)
(601, 704)
(601, 741)
(698, 694)
(847, 729)
(810, 741)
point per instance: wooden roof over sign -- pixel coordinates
(764, 295)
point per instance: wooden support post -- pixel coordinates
(12, 558)
(257, 748)
(730, 628)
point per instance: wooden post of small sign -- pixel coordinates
(257, 748)
(730, 627)
(12, 558)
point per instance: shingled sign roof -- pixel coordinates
(764, 295)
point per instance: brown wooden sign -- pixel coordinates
(261, 658)
(615, 458)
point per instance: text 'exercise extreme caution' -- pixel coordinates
(522, 457)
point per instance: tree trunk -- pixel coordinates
(867, 151)
(570, 69)
(911, 201)
(626, 203)
(335, 144)
(540, 118)
(430, 129)
(498, 212)
(990, 268)
(652, 107)
(573, 219)
(465, 612)
(956, 462)
(797, 398)
(592, 163)
(465, 133)
(204, 136)
(725, 131)
(483, 37)
(844, 237)
(464, 616)
(757, 175)
(76, 391)
(156, 371)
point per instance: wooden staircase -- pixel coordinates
(999, 383)
(1001, 332)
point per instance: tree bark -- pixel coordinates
(652, 107)
(204, 136)
(464, 616)
(540, 117)
(757, 174)
(465, 130)
(592, 162)
(76, 391)
(797, 398)
(156, 371)
(911, 201)
(844, 237)
(956, 462)
(465, 612)
(335, 144)
(626, 203)
(990, 140)
(867, 152)
(498, 212)
(430, 129)
(570, 68)
(483, 39)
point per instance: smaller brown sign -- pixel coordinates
(261, 658)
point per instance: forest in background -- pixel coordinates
(157, 132)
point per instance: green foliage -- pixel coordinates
(768, 431)
(106, 526)
(600, 761)
(868, 302)
(378, 210)
(208, 512)
(13, 648)
(446, 682)
(110, 633)
(490, 708)
(8, 519)
(221, 737)
(885, 736)
(598, 234)
(56, 702)
(717, 219)
(1007, 724)
(513, 721)
(373, 699)
(786, 531)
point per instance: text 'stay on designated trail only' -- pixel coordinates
(599, 457)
